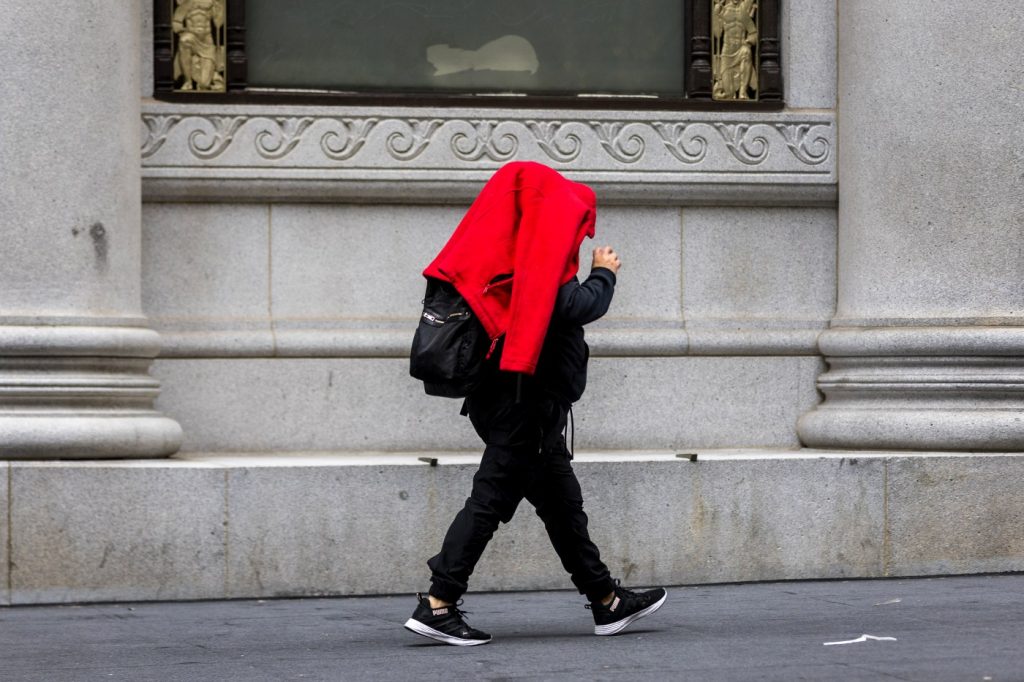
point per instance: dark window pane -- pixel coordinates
(529, 46)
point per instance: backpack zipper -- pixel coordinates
(494, 343)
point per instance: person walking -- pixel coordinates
(521, 406)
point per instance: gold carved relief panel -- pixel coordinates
(200, 54)
(734, 53)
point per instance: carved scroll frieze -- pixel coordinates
(412, 138)
(212, 135)
(811, 149)
(680, 140)
(346, 138)
(483, 140)
(620, 140)
(750, 148)
(157, 129)
(313, 143)
(552, 138)
(281, 136)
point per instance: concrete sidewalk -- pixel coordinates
(958, 628)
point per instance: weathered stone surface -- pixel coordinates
(717, 521)
(753, 265)
(373, 404)
(69, 215)
(146, 63)
(327, 267)
(345, 265)
(307, 404)
(206, 266)
(338, 530)
(955, 515)
(809, 53)
(929, 229)
(202, 526)
(331, 298)
(5, 564)
(930, 235)
(131, 530)
(69, 181)
(730, 520)
(310, 530)
(648, 287)
(654, 403)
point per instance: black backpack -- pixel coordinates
(450, 348)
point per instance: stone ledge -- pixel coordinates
(928, 341)
(225, 525)
(394, 341)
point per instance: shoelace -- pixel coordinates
(459, 612)
(620, 591)
(623, 592)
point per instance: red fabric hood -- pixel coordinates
(527, 222)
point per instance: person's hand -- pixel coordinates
(605, 257)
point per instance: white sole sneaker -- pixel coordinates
(427, 631)
(619, 625)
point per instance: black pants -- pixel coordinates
(525, 456)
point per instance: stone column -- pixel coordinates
(926, 351)
(74, 349)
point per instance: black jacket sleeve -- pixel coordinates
(580, 304)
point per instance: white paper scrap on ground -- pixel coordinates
(891, 601)
(862, 638)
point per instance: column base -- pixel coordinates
(74, 392)
(908, 429)
(110, 435)
(936, 389)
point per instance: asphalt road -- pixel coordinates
(959, 628)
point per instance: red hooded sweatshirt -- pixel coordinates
(528, 223)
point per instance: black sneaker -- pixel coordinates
(625, 607)
(444, 624)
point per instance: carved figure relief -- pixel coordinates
(200, 56)
(733, 49)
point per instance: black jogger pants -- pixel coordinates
(525, 457)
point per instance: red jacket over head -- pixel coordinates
(527, 222)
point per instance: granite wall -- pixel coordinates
(282, 248)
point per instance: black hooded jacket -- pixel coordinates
(562, 368)
(507, 407)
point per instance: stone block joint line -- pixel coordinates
(227, 538)
(886, 529)
(10, 533)
(270, 280)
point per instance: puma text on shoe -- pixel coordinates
(444, 624)
(625, 607)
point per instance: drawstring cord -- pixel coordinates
(572, 436)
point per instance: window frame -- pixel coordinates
(697, 95)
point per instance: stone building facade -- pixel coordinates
(205, 310)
